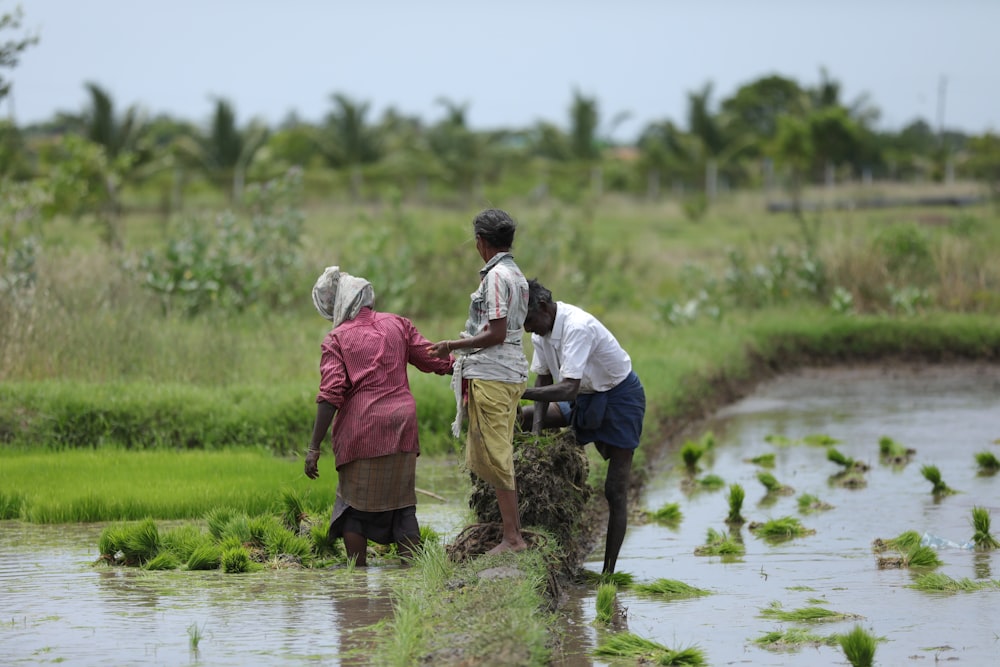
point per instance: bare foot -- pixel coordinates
(505, 546)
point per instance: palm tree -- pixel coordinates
(226, 150)
(457, 148)
(348, 142)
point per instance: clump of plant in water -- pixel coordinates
(719, 544)
(894, 453)
(671, 588)
(607, 595)
(773, 486)
(629, 645)
(982, 539)
(933, 475)
(858, 646)
(619, 579)
(935, 582)
(846, 462)
(668, 515)
(816, 439)
(736, 497)
(764, 460)
(988, 463)
(902, 542)
(809, 503)
(691, 453)
(777, 530)
(917, 557)
(793, 639)
(811, 614)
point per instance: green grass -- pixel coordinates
(987, 462)
(982, 538)
(112, 484)
(809, 503)
(933, 475)
(736, 497)
(893, 452)
(903, 542)
(763, 460)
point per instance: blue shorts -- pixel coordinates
(612, 417)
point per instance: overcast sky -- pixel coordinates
(511, 63)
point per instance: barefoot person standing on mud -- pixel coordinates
(365, 393)
(584, 379)
(491, 362)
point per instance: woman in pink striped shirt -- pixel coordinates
(365, 393)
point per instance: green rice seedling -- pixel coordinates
(858, 646)
(429, 536)
(792, 639)
(183, 540)
(279, 541)
(772, 484)
(820, 440)
(803, 614)
(982, 538)
(780, 529)
(195, 635)
(629, 645)
(779, 440)
(619, 579)
(606, 594)
(921, 557)
(933, 475)
(668, 515)
(988, 463)
(719, 544)
(112, 541)
(165, 560)
(205, 557)
(236, 560)
(711, 482)
(237, 528)
(834, 455)
(903, 542)
(736, 497)
(764, 460)
(671, 588)
(11, 505)
(809, 503)
(691, 453)
(707, 440)
(142, 542)
(322, 545)
(892, 452)
(293, 511)
(935, 582)
(217, 520)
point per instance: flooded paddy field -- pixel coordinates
(946, 414)
(55, 607)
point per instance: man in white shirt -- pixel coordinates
(584, 379)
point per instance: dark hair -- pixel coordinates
(537, 295)
(496, 227)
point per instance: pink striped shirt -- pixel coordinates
(363, 375)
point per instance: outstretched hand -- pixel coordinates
(440, 350)
(312, 458)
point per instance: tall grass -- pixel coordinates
(114, 484)
(859, 647)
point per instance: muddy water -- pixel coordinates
(55, 607)
(946, 415)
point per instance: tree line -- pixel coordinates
(772, 131)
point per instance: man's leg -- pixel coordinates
(356, 546)
(512, 538)
(616, 491)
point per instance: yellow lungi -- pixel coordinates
(489, 451)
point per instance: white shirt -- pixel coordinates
(579, 347)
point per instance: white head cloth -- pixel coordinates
(340, 296)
